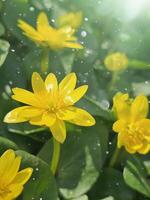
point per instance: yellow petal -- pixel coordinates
(42, 21)
(25, 96)
(121, 139)
(139, 108)
(49, 119)
(23, 176)
(14, 115)
(51, 83)
(119, 126)
(68, 84)
(29, 30)
(31, 112)
(59, 131)
(75, 95)
(15, 191)
(6, 160)
(38, 84)
(82, 118)
(73, 45)
(144, 125)
(70, 19)
(66, 31)
(37, 121)
(144, 149)
(66, 113)
(11, 171)
(129, 149)
(121, 106)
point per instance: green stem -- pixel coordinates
(44, 60)
(113, 80)
(114, 157)
(55, 157)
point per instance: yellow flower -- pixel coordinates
(116, 61)
(47, 36)
(132, 126)
(72, 19)
(12, 180)
(51, 104)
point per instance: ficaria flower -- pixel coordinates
(12, 180)
(47, 36)
(51, 104)
(116, 61)
(132, 126)
(72, 19)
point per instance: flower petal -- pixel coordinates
(49, 119)
(29, 31)
(75, 95)
(51, 83)
(38, 84)
(68, 84)
(121, 106)
(119, 126)
(11, 171)
(15, 191)
(31, 112)
(23, 176)
(139, 108)
(82, 118)
(66, 113)
(42, 21)
(121, 139)
(24, 96)
(14, 115)
(37, 121)
(144, 149)
(6, 160)
(59, 131)
(73, 45)
(144, 125)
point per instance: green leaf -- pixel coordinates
(2, 30)
(25, 128)
(135, 175)
(82, 156)
(138, 64)
(84, 197)
(67, 59)
(42, 183)
(111, 183)
(88, 176)
(96, 108)
(7, 144)
(4, 47)
(141, 88)
(147, 166)
(108, 198)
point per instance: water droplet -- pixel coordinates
(53, 20)
(86, 19)
(83, 33)
(31, 8)
(107, 152)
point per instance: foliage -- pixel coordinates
(84, 171)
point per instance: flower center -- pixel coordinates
(4, 191)
(135, 133)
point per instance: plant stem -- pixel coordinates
(113, 80)
(44, 60)
(55, 157)
(114, 157)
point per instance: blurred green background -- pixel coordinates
(108, 26)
